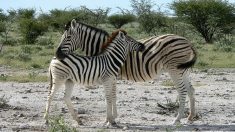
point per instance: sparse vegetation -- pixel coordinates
(24, 46)
(4, 102)
(57, 124)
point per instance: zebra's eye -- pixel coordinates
(69, 37)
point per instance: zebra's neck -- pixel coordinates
(91, 39)
(116, 53)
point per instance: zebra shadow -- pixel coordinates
(139, 127)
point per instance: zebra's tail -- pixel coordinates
(59, 54)
(190, 63)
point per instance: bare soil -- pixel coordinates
(137, 104)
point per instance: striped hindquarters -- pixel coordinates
(167, 52)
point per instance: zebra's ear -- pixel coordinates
(73, 23)
(121, 34)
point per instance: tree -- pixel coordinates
(207, 16)
(30, 27)
(150, 21)
(118, 20)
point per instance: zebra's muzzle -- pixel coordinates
(142, 47)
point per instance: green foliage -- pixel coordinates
(45, 41)
(58, 18)
(57, 124)
(3, 77)
(26, 13)
(207, 16)
(30, 29)
(150, 20)
(4, 102)
(118, 20)
(24, 57)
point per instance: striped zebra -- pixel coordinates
(170, 53)
(86, 36)
(102, 69)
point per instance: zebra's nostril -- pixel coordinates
(142, 47)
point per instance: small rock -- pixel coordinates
(233, 121)
(169, 91)
(130, 88)
(124, 128)
(63, 110)
(144, 98)
(24, 97)
(28, 91)
(81, 111)
(146, 91)
(21, 115)
(144, 118)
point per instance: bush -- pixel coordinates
(119, 20)
(207, 16)
(44, 41)
(24, 57)
(30, 29)
(58, 124)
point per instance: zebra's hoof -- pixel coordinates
(46, 122)
(79, 122)
(176, 122)
(111, 124)
(189, 122)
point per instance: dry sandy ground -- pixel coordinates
(137, 105)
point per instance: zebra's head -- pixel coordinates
(132, 43)
(70, 40)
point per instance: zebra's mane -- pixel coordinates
(111, 38)
(68, 25)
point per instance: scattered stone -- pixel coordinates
(144, 98)
(130, 88)
(169, 91)
(21, 115)
(28, 91)
(125, 128)
(63, 110)
(81, 111)
(144, 118)
(146, 91)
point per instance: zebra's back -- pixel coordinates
(166, 52)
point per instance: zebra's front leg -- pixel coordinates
(110, 120)
(67, 98)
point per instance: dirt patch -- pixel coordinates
(138, 104)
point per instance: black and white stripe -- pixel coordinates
(81, 36)
(171, 53)
(102, 69)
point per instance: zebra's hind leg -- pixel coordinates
(67, 99)
(53, 88)
(192, 112)
(178, 77)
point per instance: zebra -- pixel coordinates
(85, 38)
(171, 53)
(85, 70)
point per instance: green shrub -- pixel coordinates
(119, 20)
(3, 77)
(30, 29)
(34, 65)
(57, 124)
(24, 57)
(26, 49)
(44, 41)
